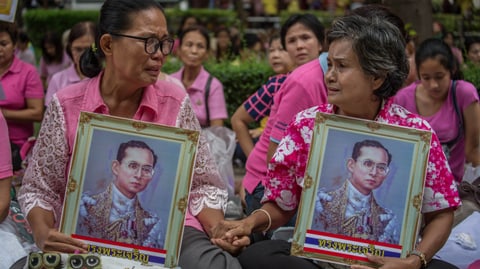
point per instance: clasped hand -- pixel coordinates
(231, 236)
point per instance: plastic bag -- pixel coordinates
(222, 145)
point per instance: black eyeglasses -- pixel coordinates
(152, 44)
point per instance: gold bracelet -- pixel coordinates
(268, 216)
(421, 255)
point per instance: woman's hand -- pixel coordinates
(48, 238)
(52, 240)
(411, 262)
(235, 233)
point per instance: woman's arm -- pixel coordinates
(5, 185)
(471, 116)
(240, 121)
(32, 112)
(438, 226)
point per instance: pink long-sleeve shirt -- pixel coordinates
(45, 179)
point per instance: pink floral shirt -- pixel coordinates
(287, 168)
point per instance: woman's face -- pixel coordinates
(435, 78)
(348, 86)
(223, 40)
(278, 58)
(79, 45)
(189, 22)
(473, 53)
(302, 44)
(6, 49)
(127, 56)
(50, 49)
(193, 50)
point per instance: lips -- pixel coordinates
(154, 71)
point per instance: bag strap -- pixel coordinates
(207, 94)
(459, 115)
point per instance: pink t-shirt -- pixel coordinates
(44, 182)
(60, 80)
(196, 92)
(19, 83)
(302, 89)
(445, 121)
(48, 70)
(5, 153)
(286, 172)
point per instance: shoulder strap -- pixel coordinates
(207, 93)
(459, 115)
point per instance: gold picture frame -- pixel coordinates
(153, 232)
(329, 228)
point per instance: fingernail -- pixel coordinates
(76, 251)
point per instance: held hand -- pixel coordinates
(52, 240)
(390, 263)
(234, 232)
(222, 227)
(229, 247)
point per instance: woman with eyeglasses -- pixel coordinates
(205, 91)
(124, 64)
(81, 37)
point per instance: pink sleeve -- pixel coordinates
(466, 94)
(216, 101)
(286, 170)
(52, 88)
(33, 83)
(5, 159)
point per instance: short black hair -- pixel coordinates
(134, 144)
(369, 143)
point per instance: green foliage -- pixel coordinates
(211, 18)
(37, 21)
(239, 79)
(471, 73)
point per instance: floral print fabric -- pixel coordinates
(286, 170)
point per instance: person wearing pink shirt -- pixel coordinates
(124, 65)
(54, 58)
(80, 38)
(193, 51)
(366, 67)
(450, 104)
(302, 36)
(21, 91)
(6, 171)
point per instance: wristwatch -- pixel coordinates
(421, 255)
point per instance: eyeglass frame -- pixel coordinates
(375, 166)
(141, 167)
(145, 41)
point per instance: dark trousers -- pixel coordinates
(275, 254)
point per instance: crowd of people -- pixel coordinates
(364, 66)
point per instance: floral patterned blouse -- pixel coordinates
(286, 170)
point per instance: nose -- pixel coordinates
(138, 172)
(330, 76)
(158, 54)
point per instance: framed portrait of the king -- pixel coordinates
(363, 190)
(8, 8)
(127, 188)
